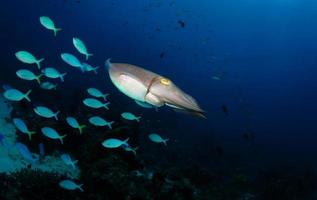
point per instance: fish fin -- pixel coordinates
(56, 30)
(81, 128)
(108, 63)
(138, 119)
(164, 141)
(38, 63)
(73, 164)
(110, 124)
(106, 105)
(26, 96)
(197, 114)
(30, 133)
(62, 76)
(134, 150)
(95, 69)
(55, 115)
(105, 96)
(61, 138)
(125, 141)
(80, 187)
(82, 69)
(88, 55)
(38, 78)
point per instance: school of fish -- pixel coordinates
(147, 89)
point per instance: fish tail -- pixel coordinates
(106, 105)
(138, 119)
(134, 150)
(82, 69)
(62, 76)
(30, 133)
(55, 115)
(80, 187)
(88, 55)
(95, 69)
(126, 140)
(61, 138)
(56, 30)
(38, 78)
(164, 141)
(105, 96)
(26, 96)
(110, 124)
(108, 63)
(73, 164)
(38, 63)
(81, 128)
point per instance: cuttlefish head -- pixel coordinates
(164, 92)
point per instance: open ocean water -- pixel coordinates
(158, 99)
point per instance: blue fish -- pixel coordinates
(25, 152)
(7, 87)
(42, 150)
(127, 147)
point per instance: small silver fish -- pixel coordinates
(16, 95)
(70, 185)
(48, 86)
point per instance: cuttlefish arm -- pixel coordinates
(146, 86)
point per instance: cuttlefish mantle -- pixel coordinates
(146, 86)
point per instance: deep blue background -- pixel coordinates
(267, 49)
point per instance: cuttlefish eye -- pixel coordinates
(165, 81)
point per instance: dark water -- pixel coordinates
(261, 114)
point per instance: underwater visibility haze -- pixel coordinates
(158, 99)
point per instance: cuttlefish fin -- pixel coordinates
(188, 112)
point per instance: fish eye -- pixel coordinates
(165, 81)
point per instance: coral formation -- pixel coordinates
(117, 174)
(10, 158)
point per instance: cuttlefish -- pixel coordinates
(148, 87)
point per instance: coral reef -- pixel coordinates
(117, 174)
(10, 158)
(30, 184)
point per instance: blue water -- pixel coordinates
(267, 51)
